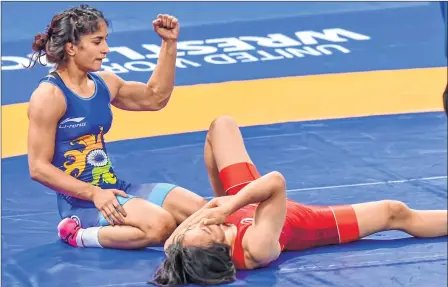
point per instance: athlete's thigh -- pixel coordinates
(227, 142)
(87, 216)
(145, 215)
(154, 193)
(181, 203)
(177, 201)
(140, 213)
(372, 217)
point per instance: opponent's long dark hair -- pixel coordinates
(65, 27)
(198, 265)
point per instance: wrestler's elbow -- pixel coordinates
(162, 100)
(36, 170)
(162, 104)
(150, 102)
(36, 175)
(264, 251)
(159, 95)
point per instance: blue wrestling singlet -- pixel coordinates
(80, 151)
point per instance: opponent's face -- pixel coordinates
(92, 49)
(203, 236)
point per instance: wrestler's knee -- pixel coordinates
(160, 229)
(156, 223)
(397, 212)
(222, 122)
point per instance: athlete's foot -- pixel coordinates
(68, 230)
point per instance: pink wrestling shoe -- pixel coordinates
(68, 230)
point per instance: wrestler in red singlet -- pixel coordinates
(305, 226)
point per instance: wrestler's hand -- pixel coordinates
(215, 211)
(167, 27)
(106, 202)
(213, 216)
(217, 201)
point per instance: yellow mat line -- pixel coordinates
(265, 101)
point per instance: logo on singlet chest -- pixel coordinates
(71, 123)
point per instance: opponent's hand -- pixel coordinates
(166, 26)
(106, 202)
(215, 215)
(217, 201)
(214, 212)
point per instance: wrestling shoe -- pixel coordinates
(68, 230)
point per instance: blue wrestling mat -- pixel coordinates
(326, 162)
(369, 153)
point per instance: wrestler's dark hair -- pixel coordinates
(210, 265)
(65, 27)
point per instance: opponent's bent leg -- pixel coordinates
(395, 215)
(146, 224)
(212, 169)
(224, 147)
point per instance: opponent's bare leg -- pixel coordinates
(224, 146)
(145, 224)
(395, 215)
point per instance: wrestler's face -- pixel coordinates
(92, 49)
(202, 236)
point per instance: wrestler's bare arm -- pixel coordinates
(261, 241)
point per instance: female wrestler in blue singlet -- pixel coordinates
(69, 114)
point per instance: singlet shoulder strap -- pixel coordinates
(100, 82)
(56, 80)
(56, 75)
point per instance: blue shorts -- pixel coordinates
(90, 216)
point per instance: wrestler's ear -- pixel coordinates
(70, 49)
